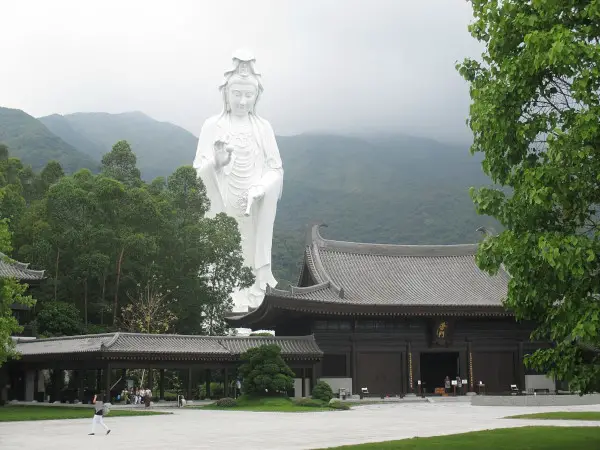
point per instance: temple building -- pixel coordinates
(397, 319)
(367, 318)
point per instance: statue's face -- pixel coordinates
(242, 98)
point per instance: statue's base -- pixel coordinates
(245, 300)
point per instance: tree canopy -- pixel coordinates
(120, 253)
(535, 116)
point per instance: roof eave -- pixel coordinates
(278, 305)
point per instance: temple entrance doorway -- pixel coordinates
(435, 366)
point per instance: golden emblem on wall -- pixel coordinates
(441, 331)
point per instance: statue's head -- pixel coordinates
(241, 88)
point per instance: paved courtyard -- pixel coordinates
(197, 429)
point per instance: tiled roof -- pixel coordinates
(18, 270)
(71, 344)
(407, 275)
(137, 343)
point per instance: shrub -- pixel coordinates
(322, 391)
(336, 404)
(309, 402)
(216, 391)
(226, 402)
(264, 371)
(170, 397)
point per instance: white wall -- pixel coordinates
(337, 383)
(539, 382)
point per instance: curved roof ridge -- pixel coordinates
(195, 336)
(275, 291)
(319, 242)
(63, 338)
(308, 289)
(315, 264)
(309, 337)
(111, 342)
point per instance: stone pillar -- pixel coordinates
(107, 382)
(464, 368)
(81, 376)
(520, 374)
(226, 382)
(41, 384)
(470, 365)
(189, 384)
(57, 382)
(98, 380)
(29, 385)
(404, 373)
(151, 380)
(161, 385)
(207, 383)
(355, 386)
(411, 381)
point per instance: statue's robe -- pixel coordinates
(271, 179)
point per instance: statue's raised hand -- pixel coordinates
(223, 151)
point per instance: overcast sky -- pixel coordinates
(327, 64)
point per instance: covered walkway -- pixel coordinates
(111, 355)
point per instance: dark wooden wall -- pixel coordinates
(379, 354)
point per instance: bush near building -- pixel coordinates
(322, 391)
(264, 372)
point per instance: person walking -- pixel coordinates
(98, 414)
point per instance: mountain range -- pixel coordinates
(384, 188)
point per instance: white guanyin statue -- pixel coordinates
(238, 161)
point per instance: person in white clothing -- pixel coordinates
(98, 415)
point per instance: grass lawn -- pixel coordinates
(527, 438)
(561, 415)
(272, 404)
(15, 413)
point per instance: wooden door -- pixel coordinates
(495, 369)
(380, 372)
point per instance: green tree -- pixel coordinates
(535, 116)
(58, 319)
(100, 237)
(3, 152)
(11, 292)
(120, 164)
(264, 372)
(51, 174)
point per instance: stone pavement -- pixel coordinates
(215, 430)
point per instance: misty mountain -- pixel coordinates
(60, 126)
(384, 188)
(398, 189)
(161, 147)
(32, 142)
